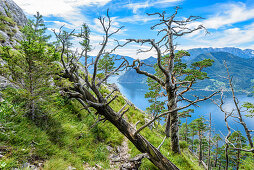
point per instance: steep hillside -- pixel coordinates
(241, 69)
(67, 136)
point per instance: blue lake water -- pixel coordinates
(135, 93)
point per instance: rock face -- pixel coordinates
(12, 18)
(15, 11)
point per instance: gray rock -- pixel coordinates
(110, 149)
(15, 11)
(11, 34)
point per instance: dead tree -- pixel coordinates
(85, 88)
(238, 115)
(227, 115)
(238, 109)
(172, 69)
(209, 142)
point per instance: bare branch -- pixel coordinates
(245, 150)
(111, 73)
(119, 112)
(162, 143)
(173, 110)
(112, 99)
(110, 94)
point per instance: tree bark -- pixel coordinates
(138, 140)
(172, 123)
(186, 130)
(209, 144)
(216, 155)
(200, 148)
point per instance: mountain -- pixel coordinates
(118, 61)
(130, 76)
(241, 69)
(247, 53)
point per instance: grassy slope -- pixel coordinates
(63, 138)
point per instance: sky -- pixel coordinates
(230, 23)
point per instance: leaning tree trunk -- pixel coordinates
(144, 146)
(154, 155)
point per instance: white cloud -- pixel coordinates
(229, 14)
(136, 18)
(136, 6)
(140, 5)
(231, 37)
(67, 9)
(56, 7)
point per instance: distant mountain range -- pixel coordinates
(247, 53)
(240, 67)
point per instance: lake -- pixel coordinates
(135, 93)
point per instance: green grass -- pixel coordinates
(63, 136)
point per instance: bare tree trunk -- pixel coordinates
(154, 155)
(238, 159)
(138, 140)
(186, 130)
(192, 146)
(216, 155)
(238, 152)
(200, 148)
(209, 143)
(236, 103)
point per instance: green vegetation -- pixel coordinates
(106, 65)
(40, 124)
(60, 138)
(7, 20)
(7, 25)
(63, 136)
(155, 135)
(31, 67)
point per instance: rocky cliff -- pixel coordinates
(12, 19)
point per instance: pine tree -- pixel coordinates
(201, 128)
(185, 114)
(31, 66)
(106, 65)
(154, 95)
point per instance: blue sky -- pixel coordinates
(230, 22)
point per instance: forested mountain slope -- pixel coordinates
(240, 68)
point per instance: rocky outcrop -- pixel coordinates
(12, 18)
